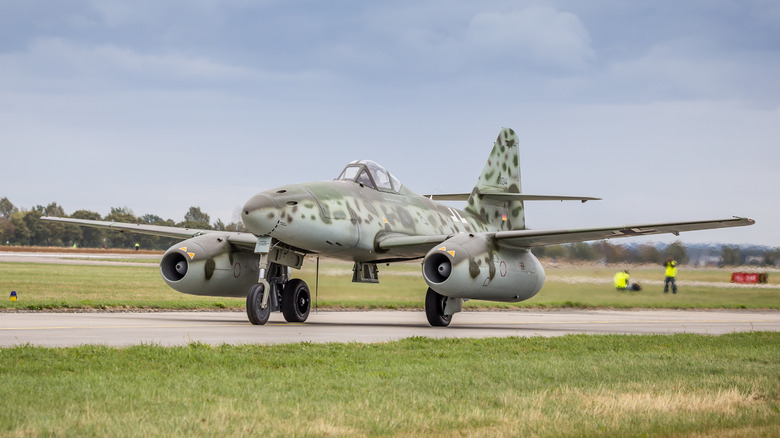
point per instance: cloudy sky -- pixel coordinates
(668, 110)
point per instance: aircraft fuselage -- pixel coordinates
(344, 219)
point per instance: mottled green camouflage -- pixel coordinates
(500, 175)
(345, 219)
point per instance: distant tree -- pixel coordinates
(6, 225)
(772, 257)
(90, 237)
(676, 250)
(151, 219)
(613, 253)
(120, 239)
(148, 241)
(650, 254)
(195, 218)
(40, 235)
(235, 226)
(6, 230)
(54, 210)
(582, 251)
(21, 234)
(6, 208)
(730, 255)
(556, 251)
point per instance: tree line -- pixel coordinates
(20, 227)
(604, 251)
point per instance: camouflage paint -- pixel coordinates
(480, 268)
(214, 267)
(500, 175)
(345, 219)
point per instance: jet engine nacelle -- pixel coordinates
(476, 267)
(209, 265)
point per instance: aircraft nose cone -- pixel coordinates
(260, 214)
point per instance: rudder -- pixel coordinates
(500, 175)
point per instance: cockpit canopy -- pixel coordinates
(370, 174)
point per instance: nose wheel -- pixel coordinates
(295, 302)
(257, 313)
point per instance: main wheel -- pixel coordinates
(254, 299)
(296, 301)
(434, 309)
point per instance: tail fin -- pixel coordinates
(500, 175)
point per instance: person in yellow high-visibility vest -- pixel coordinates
(671, 272)
(621, 280)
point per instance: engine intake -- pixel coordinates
(173, 266)
(437, 268)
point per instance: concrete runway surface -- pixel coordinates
(181, 328)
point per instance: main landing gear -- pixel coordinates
(292, 297)
(435, 304)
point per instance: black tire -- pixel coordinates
(434, 309)
(257, 316)
(296, 301)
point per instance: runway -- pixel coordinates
(215, 328)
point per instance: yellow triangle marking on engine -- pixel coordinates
(443, 248)
(191, 254)
(183, 248)
(452, 253)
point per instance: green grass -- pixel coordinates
(569, 386)
(50, 286)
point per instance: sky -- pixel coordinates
(667, 110)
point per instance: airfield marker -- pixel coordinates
(13, 295)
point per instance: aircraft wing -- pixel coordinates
(531, 238)
(244, 240)
(393, 241)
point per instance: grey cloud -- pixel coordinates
(536, 34)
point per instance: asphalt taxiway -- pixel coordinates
(215, 328)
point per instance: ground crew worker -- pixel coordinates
(621, 280)
(137, 246)
(671, 272)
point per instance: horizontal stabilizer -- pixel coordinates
(510, 197)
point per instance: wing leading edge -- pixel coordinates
(532, 238)
(244, 240)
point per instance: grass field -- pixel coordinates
(680, 385)
(47, 286)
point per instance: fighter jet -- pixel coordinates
(368, 217)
